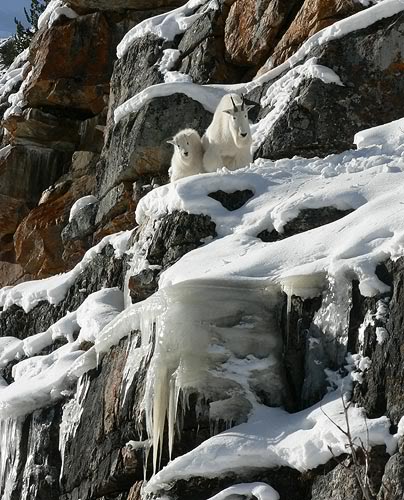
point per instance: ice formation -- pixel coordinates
(212, 327)
(260, 491)
(298, 440)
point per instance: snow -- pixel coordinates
(382, 335)
(168, 25)
(28, 294)
(80, 204)
(260, 491)
(366, 180)
(400, 430)
(41, 379)
(298, 440)
(13, 76)
(210, 95)
(54, 10)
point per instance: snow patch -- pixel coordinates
(27, 295)
(298, 440)
(168, 25)
(54, 10)
(80, 204)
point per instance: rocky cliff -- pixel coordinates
(71, 129)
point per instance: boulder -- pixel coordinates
(369, 63)
(382, 391)
(341, 482)
(137, 146)
(44, 129)
(72, 65)
(313, 16)
(253, 29)
(203, 53)
(393, 479)
(38, 242)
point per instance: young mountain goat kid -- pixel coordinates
(227, 141)
(188, 154)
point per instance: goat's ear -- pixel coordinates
(229, 111)
(250, 106)
(171, 141)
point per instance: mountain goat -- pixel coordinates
(188, 154)
(227, 141)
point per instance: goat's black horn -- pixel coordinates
(234, 104)
(242, 102)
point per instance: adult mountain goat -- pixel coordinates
(188, 154)
(227, 141)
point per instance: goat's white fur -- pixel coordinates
(227, 141)
(188, 154)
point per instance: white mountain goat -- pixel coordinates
(227, 141)
(188, 154)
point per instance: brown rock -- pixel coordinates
(72, 66)
(24, 173)
(12, 211)
(44, 129)
(37, 241)
(38, 244)
(35, 168)
(253, 29)
(312, 17)
(11, 274)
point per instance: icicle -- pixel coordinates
(10, 437)
(72, 412)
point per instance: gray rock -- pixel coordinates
(138, 145)
(82, 225)
(393, 479)
(309, 218)
(35, 168)
(341, 482)
(203, 50)
(176, 234)
(323, 118)
(382, 391)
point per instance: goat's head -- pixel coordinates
(238, 120)
(182, 143)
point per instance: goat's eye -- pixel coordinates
(234, 117)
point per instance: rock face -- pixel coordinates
(382, 391)
(368, 63)
(253, 29)
(313, 16)
(65, 144)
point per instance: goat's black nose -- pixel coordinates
(186, 153)
(244, 135)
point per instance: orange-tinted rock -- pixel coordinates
(253, 29)
(72, 66)
(312, 17)
(38, 244)
(24, 173)
(12, 211)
